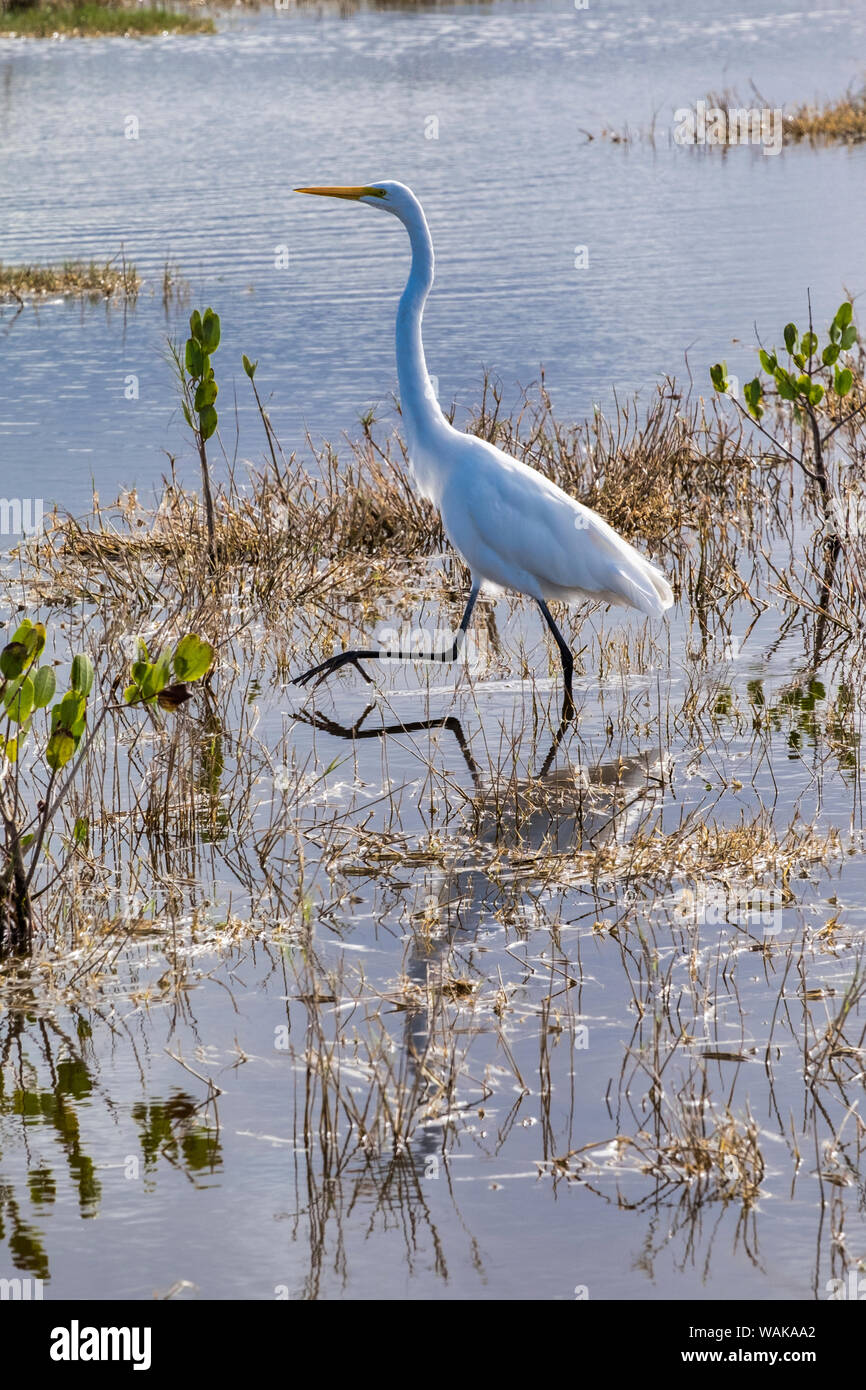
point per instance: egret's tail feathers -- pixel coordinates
(644, 588)
(664, 592)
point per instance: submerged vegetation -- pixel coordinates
(617, 957)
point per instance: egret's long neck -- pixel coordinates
(421, 413)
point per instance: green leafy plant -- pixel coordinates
(32, 789)
(815, 383)
(26, 689)
(814, 380)
(199, 392)
(166, 679)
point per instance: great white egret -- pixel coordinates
(514, 528)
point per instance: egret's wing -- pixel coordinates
(534, 529)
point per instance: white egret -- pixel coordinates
(514, 527)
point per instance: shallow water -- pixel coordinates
(152, 1114)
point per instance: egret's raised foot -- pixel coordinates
(327, 668)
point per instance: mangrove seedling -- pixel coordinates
(199, 391)
(33, 787)
(815, 380)
(25, 690)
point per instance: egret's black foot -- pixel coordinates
(327, 668)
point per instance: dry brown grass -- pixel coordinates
(840, 120)
(351, 523)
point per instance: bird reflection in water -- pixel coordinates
(555, 809)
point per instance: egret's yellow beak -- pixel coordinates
(355, 192)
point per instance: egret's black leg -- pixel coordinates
(565, 655)
(333, 663)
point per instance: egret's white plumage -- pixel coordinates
(514, 528)
(518, 530)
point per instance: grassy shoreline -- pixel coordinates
(91, 18)
(88, 280)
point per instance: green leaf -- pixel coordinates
(61, 746)
(19, 703)
(804, 381)
(753, 393)
(69, 711)
(835, 331)
(785, 384)
(82, 674)
(13, 659)
(146, 680)
(194, 358)
(816, 393)
(27, 642)
(809, 344)
(768, 361)
(830, 353)
(210, 331)
(799, 360)
(187, 416)
(843, 380)
(81, 830)
(44, 685)
(718, 376)
(32, 635)
(844, 314)
(849, 337)
(791, 336)
(206, 394)
(192, 658)
(195, 324)
(249, 367)
(160, 675)
(207, 421)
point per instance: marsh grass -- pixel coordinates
(506, 881)
(840, 120)
(92, 18)
(93, 280)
